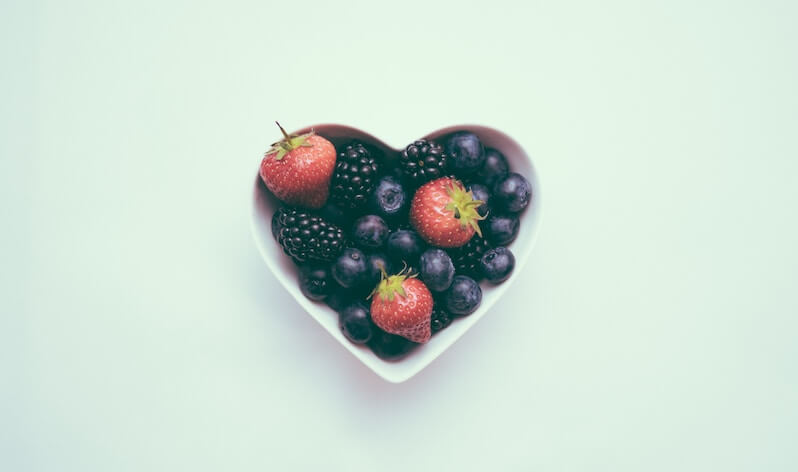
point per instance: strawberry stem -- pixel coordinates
(463, 206)
(288, 143)
(285, 135)
(390, 286)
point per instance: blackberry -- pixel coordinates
(354, 177)
(276, 225)
(440, 319)
(305, 236)
(423, 161)
(466, 258)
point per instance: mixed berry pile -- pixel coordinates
(396, 244)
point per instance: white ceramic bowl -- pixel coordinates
(264, 205)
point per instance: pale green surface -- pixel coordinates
(657, 328)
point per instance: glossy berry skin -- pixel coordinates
(390, 200)
(405, 246)
(437, 269)
(377, 263)
(494, 168)
(466, 153)
(444, 213)
(315, 281)
(355, 323)
(423, 161)
(464, 296)
(480, 192)
(497, 264)
(350, 269)
(512, 193)
(403, 306)
(501, 230)
(354, 176)
(466, 258)
(301, 176)
(440, 319)
(390, 347)
(370, 232)
(305, 236)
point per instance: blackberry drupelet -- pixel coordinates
(423, 161)
(466, 258)
(305, 236)
(276, 225)
(354, 177)
(440, 319)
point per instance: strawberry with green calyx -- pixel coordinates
(401, 304)
(445, 214)
(298, 168)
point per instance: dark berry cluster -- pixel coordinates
(363, 232)
(354, 177)
(307, 237)
(423, 161)
(466, 258)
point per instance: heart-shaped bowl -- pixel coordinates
(265, 204)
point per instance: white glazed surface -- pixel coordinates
(264, 205)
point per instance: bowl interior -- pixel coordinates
(264, 205)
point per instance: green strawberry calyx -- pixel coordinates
(392, 285)
(288, 143)
(464, 207)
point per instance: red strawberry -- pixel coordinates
(403, 305)
(444, 213)
(298, 169)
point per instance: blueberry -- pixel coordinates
(370, 232)
(339, 297)
(480, 192)
(497, 264)
(494, 168)
(405, 245)
(355, 323)
(512, 193)
(437, 269)
(501, 230)
(389, 347)
(390, 200)
(465, 151)
(315, 282)
(376, 263)
(464, 296)
(350, 269)
(335, 214)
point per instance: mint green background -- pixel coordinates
(654, 328)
